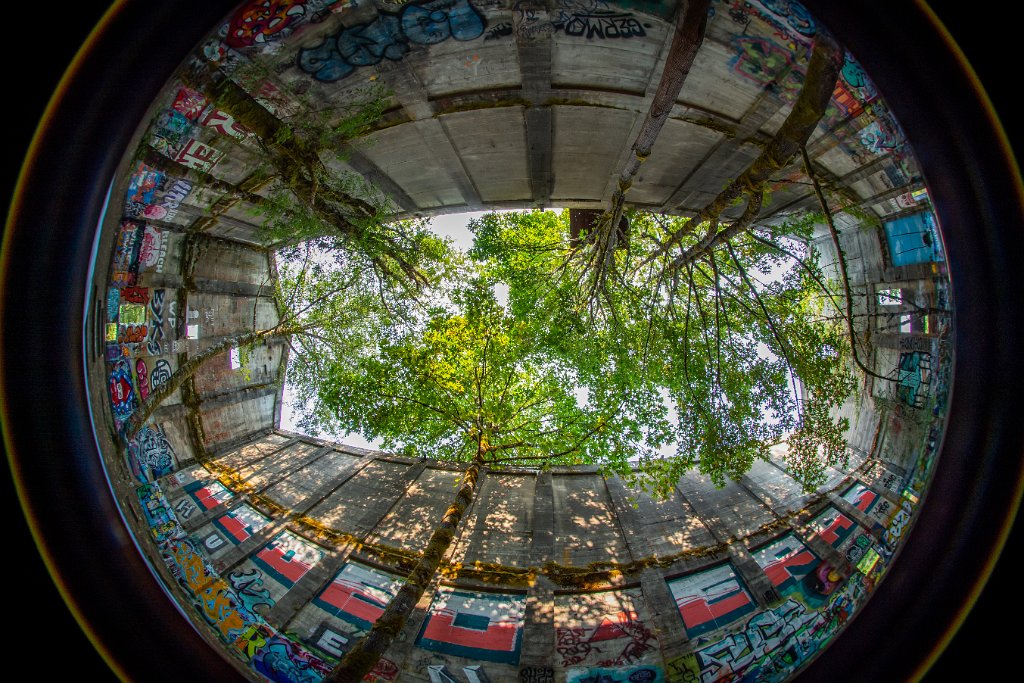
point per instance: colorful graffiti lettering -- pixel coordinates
(224, 123)
(833, 527)
(189, 103)
(208, 495)
(153, 195)
(156, 315)
(359, 594)
(262, 21)
(142, 375)
(213, 597)
(287, 558)
(198, 156)
(683, 669)
(283, 661)
(160, 375)
(113, 304)
(135, 295)
(786, 561)
(389, 36)
(248, 586)
(478, 626)
(860, 496)
(641, 674)
(710, 599)
(773, 642)
(150, 454)
(122, 392)
(161, 521)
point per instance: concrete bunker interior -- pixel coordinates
(283, 548)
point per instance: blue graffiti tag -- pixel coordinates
(389, 36)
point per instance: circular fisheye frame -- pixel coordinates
(473, 340)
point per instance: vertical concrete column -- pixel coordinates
(538, 649)
(534, 53)
(628, 519)
(672, 638)
(668, 625)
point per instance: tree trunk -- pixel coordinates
(361, 659)
(134, 423)
(819, 83)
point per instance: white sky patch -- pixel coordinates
(455, 225)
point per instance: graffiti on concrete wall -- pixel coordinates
(762, 61)
(630, 674)
(123, 400)
(263, 21)
(287, 558)
(212, 596)
(477, 626)
(710, 599)
(208, 494)
(277, 658)
(537, 674)
(439, 673)
(602, 629)
(127, 244)
(860, 496)
(157, 511)
(240, 522)
(582, 21)
(787, 562)
(914, 379)
(834, 528)
(248, 586)
(150, 455)
(154, 195)
(390, 36)
(359, 594)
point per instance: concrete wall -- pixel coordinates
(287, 547)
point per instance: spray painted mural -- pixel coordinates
(390, 36)
(359, 594)
(478, 626)
(287, 558)
(834, 528)
(710, 599)
(227, 605)
(603, 630)
(150, 455)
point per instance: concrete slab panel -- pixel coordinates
(586, 529)
(491, 143)
(377, 486)
(405, 154)
(680, 149)
(501, 526)
(587, 144)
(732, 507)
(413, 518)
(603, 63)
